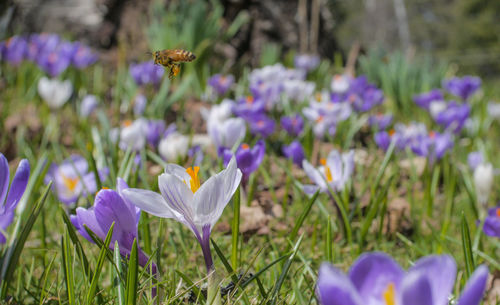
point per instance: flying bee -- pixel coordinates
(171, 58)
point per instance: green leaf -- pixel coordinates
(235, 229)
(118, 272)
(467, 247)
(68, 267)
(303, 216)
(133, 266)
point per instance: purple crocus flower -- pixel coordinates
(55, 61)
(261, 125)
(293, 124)
(221, 83)
(453, 117)
(40, 44)
(83, 56)
(9, 197)
(248, 159)
(383, 140)
(110, 206)
(492, 222)
(88, 105)
(424, 100)
(375, 278)
(380, 121)
(295, 152)
(306, 62)
(363, 95)
(139, 103)
(474, 159)
(433, 146)
(14, 50)
(248, 106)
(146, 73)
(73, 178)
(155, 130)
(463, 87)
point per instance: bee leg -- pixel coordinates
(176, 68)
(171, 73)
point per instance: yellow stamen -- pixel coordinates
(389, 295)
(245, 146)
(498, 212)
(322, 161)
(127, 123)
(318, 97)
(70, 183)
(195, 180)
(328, 174)
(249, 99)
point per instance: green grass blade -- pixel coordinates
(303, 216)
(132, 283)
(235, 229)
(68, 267)
(118, 272)
(467, 247)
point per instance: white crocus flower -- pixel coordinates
(226, 133)
(483, 181)
(54, 92)
(133, 134)
(333, 173)
(187, 201)
(340, 83)
(173, 146)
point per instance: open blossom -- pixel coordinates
(463, 87)
(261, 125)
(248, 106)
(376, 279)
(54, 92)
(297, 89)
(432, 146)
(10, 196)
(248, 159)
(295, 152)
(56, 60)
(492, 222)
(340, 83)
(14, 50)
(452, 116)
(133, 134)
(363, 95)
(293, 124)
(380, 121)
(221, 83)
(146, 73)
(325, 115)
(83, 56)
(333, 173)
(73, 178)
(185, 199)
(424, 100)
(110, 206)
(306, 62)
(173, 146)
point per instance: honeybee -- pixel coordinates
(171, 59)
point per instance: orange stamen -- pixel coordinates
(245, 146)
(498, 212)
(70, 183)
(249, 99)
(195, 180)
(127, 123)
(392, 132)
(322, 161)
(389, 295)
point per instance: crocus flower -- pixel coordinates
(494, 110)
(248, 159)
(334, 172)
(483, 181)
(340, 83)
(325, 115)
(295, 152)
(227, 133)
(297, 89)
(14, 50)
(363, 95)
(173, 147)
(155, 129)
(221, 83)
(110, 206)
(293, 124)
(88, 105)
(424, 100)
(73, 178)
(39, 44)
(261, 125)
(218, 113)
(463, 87)
(54, 92)
(146, 73)
(248, 106)
(375, 279)
(383, 140)
(83, 56)
(492, 222)
(453, 116)
(10, 196)
(474, 159)
(380, 121)
(56, 60)
(186, 200)
(409, 135)
(133, 134)
(306, 62)
(432, 146)
(139, 102)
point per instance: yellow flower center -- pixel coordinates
(328, 172)
(498, 212)
(318, 96)
(70, 183)
(249, 99)
(127, 123)
(389, 295)
(195, 180)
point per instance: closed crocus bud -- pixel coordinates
(483, 180)
(88, 105)
(54, 92)
(174, 146)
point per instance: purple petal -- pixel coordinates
(4, 178)
(416, 290)
(474, 289)
(109, 207)
(88, 218)
(335, 288)
(18, 185)
(372, 273)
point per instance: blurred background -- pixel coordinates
(235, 33)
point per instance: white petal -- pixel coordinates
(177, 170)
(314, 174)
(176, 194)
(148, 201)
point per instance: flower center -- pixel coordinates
(249, 99)
(328, 172)
(245, 146)
(70, 183)
(432, 134)
(260, 123)
(498, 212)
(318, 97)
(392, 132)
(389, 296)
(319, 119)
(195, 180)
(127, 123)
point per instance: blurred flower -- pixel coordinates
(334, 172)
(380, 121)
(363, 96)
(340, 83)
(110, 206)
(494, 110)
(453, 116)
(133, 134)
(218, 113)
(196, 153)
(54, 92)
(483, 181)
(298, 90)
(383, 140)
(221, 83)
(155, 130)
(474, 159)
(248, 159)
(139, 103)
(56, 60)
(325, 115)
(424, 100)
(39, 44)
(146, 73)
(10, 196)
(248, 106)
(187, 201)
(14, 50)
(88, 105)
(295, 152)
(407, 136)
(261, 125)
(72, 179)
(492, 222)
(227, 133)
(294, 125)
(375, 278)
(173, 147)
(83, 56)
(306, 62)
(432, 146)
(463, 87)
